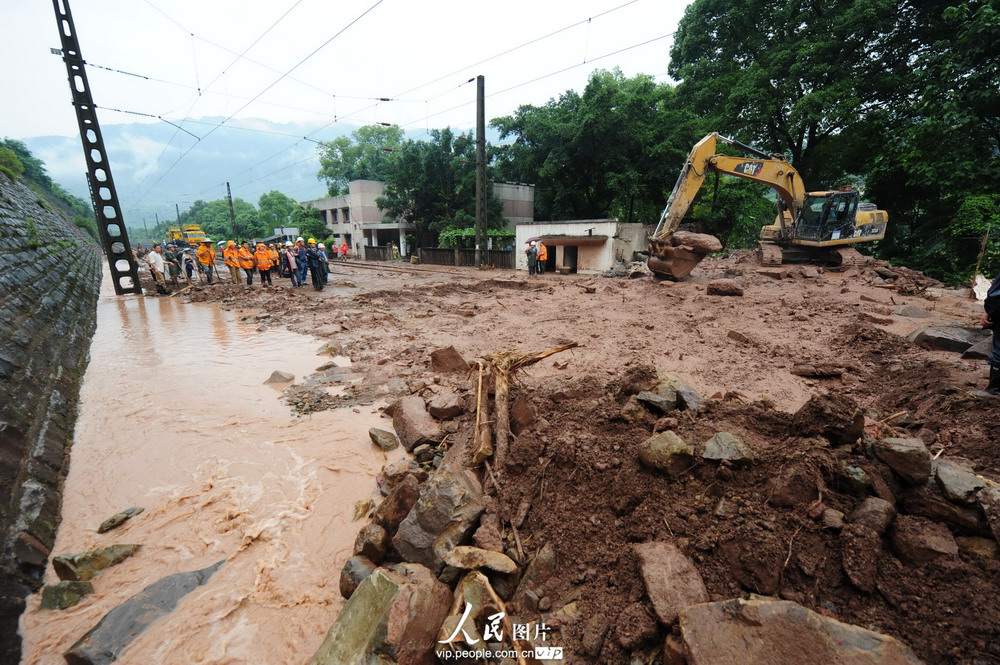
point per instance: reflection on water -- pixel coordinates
(175, 418)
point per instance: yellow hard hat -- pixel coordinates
(312, 241)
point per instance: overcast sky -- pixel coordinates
(321, 62)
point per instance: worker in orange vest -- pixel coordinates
(245, 257)
(206, 257)
(543, 253)
(343, 250)
(264, 262)
(273, 251)
(231, 255)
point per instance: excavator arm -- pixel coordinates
(773, 170)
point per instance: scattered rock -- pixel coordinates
(540, 569)
(875, 514)
(64, 595)
(919, 540)
(84, 566)
(635, 627)
(946, 338)
(738, 337)
(277, 376)
(701, 243)
(446, 404)
(413, 424)
(724, 287)
(443, 517)
(677, 391)
(834, 417)
(371, 542)
(779, 632)
(989, 499)
(362, 509)
(118, 519)
(634, 412)
(927, 501)
(593, 634)
(355, 570)
(861, 547)
(795, 484)
(471, 558)
(383, 439)
(103, 643)
(957, 481)
(392, 617)
(773, 273)
(657, 403)
(910, 311)
(666, 452)
(833, 519)
(487, 536)
(448, 359)
(980, 350)
(671, 579)
(729, 447)
(475, 591)
(398, 504)
(984, 547)
(907, 457)
(331, 348)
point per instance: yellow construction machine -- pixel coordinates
(810, 226)
(189, 237)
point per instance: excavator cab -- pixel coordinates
(827, 216)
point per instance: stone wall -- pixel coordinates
(50, 274)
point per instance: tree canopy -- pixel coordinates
(365, 155)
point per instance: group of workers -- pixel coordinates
(537, 254)
(291, 260)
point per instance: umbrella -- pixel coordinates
(531, 240)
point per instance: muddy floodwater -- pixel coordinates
(175, 418)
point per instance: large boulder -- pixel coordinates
(947, 338)
(354, 572)
(372, 541)
(907, 457)
(957, 481)
(84, 566)
(392, 617)
(702, 243)
(398, 504)
(666, 452)
(834, 417)
(103, 643)
(671, 579)
(443, 517)
(927, 501)
(980, 350)
(919, 540)
(448, 359)
(413, 425)
(446, 404)
(779, 632)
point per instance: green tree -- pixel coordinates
(310, 223)
(366, 155)
(276, 209)
(432, 184)
(213, 218)
(34, 168)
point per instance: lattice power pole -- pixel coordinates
(110, 224)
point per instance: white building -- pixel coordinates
(584, 246)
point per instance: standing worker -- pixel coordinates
(543, 254)
(532, 253)
(301, 260)
(324, 263)
(245, 257)
(274, 258)
(313, 259)
(155, 261)
(289, 267)
(991, 319)
(231, 254)
(343, 250)
(206, 257)
(263, 258)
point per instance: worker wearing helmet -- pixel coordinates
(324, 264)
(543, 254)
(532, 254)
(313, 260)
(247, 261)
(231, 255)
(301, 260)
(206, 257)
(343, 250)
(289, 266)
(262, 257)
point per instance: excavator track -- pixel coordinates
(770, 254)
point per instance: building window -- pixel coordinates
(334, 217)
(347, 214)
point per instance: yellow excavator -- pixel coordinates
(810, 226)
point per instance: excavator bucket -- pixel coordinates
(674, 262)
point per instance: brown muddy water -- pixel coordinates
(175, 418)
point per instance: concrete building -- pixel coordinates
(585, 246)
(354, 217)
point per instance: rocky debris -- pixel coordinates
(779, 632)
(957, 481)
(372, 542)
(656, 403)
(820, 370)
(392, 617)
(834, 417)
(919, 540)
(907, 457)
(118, 519)
(448, 359)
(738, 337)
(946, 338)
(912, 312)
(873, 513)
(472, 558)
(701, 243)
(118, 628)
(443, 517)
(542, 567)
(671, 579)
(989, 499)
(984, 547)
(832, 519)
(331, 348)
(795, 484)
(634, 412)
(861, 547)
(724, 287)
(413, 424)
(728, 447)
(635, 627)
(383, 439)
(84, 566)
(593, 634)
(354, 572)
(277, 376)
(488, 536)
(677, 391)
(446, 404)
(666, 452)
(64, 595)
(927, 501)
(397, 504)
(774, 273)
(980, 350)
(522, 414)
(473, 591)
(363, 509)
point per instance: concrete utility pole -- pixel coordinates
(232, 213)
(480, 169)
(107, 210)
(177, 209)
